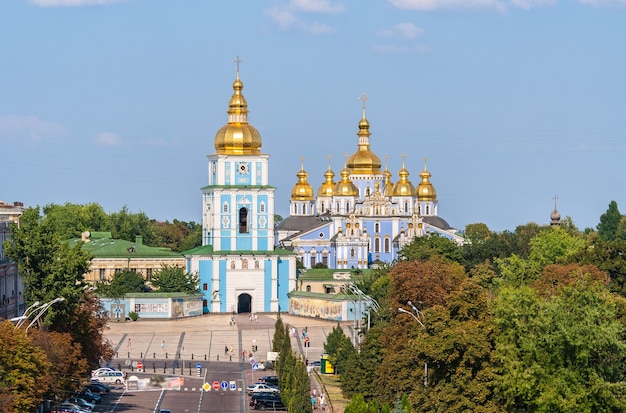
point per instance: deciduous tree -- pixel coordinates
(171, 278)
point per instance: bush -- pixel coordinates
(133, 316)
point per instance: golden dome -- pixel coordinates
(302, 190)
(404, 187)
(328, 186)
(345, 187)
(388, 183)
(425, 189)
(238, 137)
(364, 161)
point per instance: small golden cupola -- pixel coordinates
(404, 187)
(238, 137)
(364, 161)
(345, 187)
(388, 182)
(425, 189)
(302, 190)
(328, 186)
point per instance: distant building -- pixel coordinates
(363, 218)
(11, 284)
(114, 255)
(239, 267)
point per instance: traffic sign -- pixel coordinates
(140, 365)
(233, 385)
(255, 367)
(206, 387)
(198, 366)
(252, 361)
(224, 385)
(216, 385)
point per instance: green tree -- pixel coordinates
(361, 368)
(279, 334)
(356, 405)
(562, 353)
(609, 223)
(70, 220)
(434, 245)
(553, 246)
(609, 256)
(127, 225)
(174, 279)
(122, 283)
(300, 389)
(24, 371)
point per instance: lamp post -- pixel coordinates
(21, 319)
(41, 310)
(417, 314)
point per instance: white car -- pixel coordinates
(257, 388)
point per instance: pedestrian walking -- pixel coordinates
(313, 402)
(129, 346)
(225, 350)
(255, 318)
(163, 345)
(322, 401)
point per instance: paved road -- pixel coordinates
(221, 348)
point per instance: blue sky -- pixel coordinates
(513, 102)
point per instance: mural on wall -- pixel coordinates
(152, 307)
(186, 307)
(310, 307)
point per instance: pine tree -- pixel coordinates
(609, 222)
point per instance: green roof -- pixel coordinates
(322, 274)
(105, 247)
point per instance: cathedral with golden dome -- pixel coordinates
(238, 266)
(363, 218)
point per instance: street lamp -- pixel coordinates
(41, 310)
(417, 314)
(21, 319)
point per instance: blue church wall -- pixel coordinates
(283, 284)
(222, 284)
(262, 241)
(244, 242)
(205, 269)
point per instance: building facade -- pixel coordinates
(239, 268)
(363, 218)
(12, 302)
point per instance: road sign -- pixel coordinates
(224, 385)
(206, 387)
(139, 365)
(216, 385)
(233, 385)
(255, 367)
(252, 361)
(198, 366)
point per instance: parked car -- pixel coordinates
(89, 396)
(271, 380)
(106, 386)
(267, 401)
(80, 402)
(261, 388)
(69, 408)
(96, 371)
(97, 388)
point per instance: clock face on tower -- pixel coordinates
(243, 168)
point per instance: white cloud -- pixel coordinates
(407, 31)
(29, 128)
(499, 5)
(73, 3)
(108, 139)
(317, 6)
(604, 3)
(288, 15)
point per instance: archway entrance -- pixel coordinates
(244, 303)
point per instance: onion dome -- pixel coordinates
(404, 187)
(302, 190)
(555, 216)
(328, 187)
(364, 161)
(345, 187)
(238, 137)
(425, 189)
(388, 183)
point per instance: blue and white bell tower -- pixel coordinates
(238, 266)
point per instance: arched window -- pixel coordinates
(303, 209)
(243, 220)
(225, 207)
(427, 210)
(367, 191)
(256, 264)
(232, 265)
(377, 227)
(352, 252)
(376, 244)
(347, 206)
(387, 244)
(337, 207)
(406, 206)
(295, 209)
(322, 207)
(262, 207)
